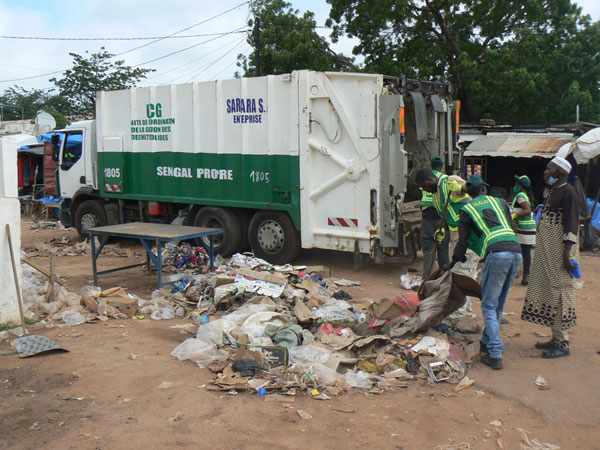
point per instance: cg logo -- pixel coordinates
(153, 110)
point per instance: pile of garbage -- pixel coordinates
(185, 257)
(65, 246)
(285, 329)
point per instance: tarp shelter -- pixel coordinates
(36, 153)
(498, 156)
(584, 148)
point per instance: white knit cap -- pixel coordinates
(562, 163)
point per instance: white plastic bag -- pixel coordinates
(72, 317)
(307, 354)
(359, 379)
(88, 291)
(201, 352)
(211, 332)
(166, 313)
(326, 375)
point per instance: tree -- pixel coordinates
(288, 42)
(33, 101)
(95, 73)
(508, 59)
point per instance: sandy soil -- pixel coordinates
(97, 397)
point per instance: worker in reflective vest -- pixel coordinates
(523, 217)
(430, 222)
(442, 188)
(486, 227)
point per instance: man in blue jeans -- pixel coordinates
(486, 227)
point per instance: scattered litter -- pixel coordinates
(165, 385)
(346, 283)
(35, 344)
(542, 383)
(177, 417)
(540, 334)
(534, 444)
(464, 383)
(132, 356)
(496, 423)
(410, 281)
(303, 414)
(77, 374)
(71, 317)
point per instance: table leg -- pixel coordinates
(94, 257)
(159, 260)
(212, 253)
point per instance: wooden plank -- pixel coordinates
(42, 269)
(50, 292)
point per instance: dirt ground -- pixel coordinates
(97, 397)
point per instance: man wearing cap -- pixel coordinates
(430, 222)
(485, 226)
(523, 217)
(550, 297)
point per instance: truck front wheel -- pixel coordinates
(89, 214)
(274, 237)
(225, 219)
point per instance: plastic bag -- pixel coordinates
(336, 312)
(72, 317)
(90, 291)
(211, 332)
(359, 379)
(307, 354)
(166, 313)
(255, 324)
(325, 375)
(199, 351)
(410, 281)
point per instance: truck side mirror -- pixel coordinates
(55, 152)
(55, 141)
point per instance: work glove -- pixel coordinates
(454, 186)
(514, 217)
(439, 235)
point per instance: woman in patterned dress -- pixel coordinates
(550, 297)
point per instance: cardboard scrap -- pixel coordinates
(464, 383)
(302, 313)
(126, 305)
(320, 271)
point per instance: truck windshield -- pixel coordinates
(72, 149)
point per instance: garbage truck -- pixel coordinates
(280, 162)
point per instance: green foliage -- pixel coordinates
(510, 60)
(94, 73)
(288, 41)
(33, 101)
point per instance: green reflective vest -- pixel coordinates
(427, 197)
(525, 222)
(454, 206)
(489, 235)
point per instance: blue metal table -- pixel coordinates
(149, 234)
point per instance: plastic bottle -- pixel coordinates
(262, 391)
(576, 272)
(360, 317)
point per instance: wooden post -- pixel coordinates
(15, 275)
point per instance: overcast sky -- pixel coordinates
(138, 18)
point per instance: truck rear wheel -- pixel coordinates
(225, 219)
(88, 215)
(274, 237)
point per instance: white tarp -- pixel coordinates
(584, 148)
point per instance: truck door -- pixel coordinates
(393, 166)
(71, 163)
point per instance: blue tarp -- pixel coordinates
(596, 217)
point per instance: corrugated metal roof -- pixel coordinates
(518, 145)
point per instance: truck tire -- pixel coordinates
(224, 218)
(274, 237)
(89, 214)
(245, 215)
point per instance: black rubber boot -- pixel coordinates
(556, 352)
(494, 363)
(525, 280)
(546, 345)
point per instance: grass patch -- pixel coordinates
(8, 325)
